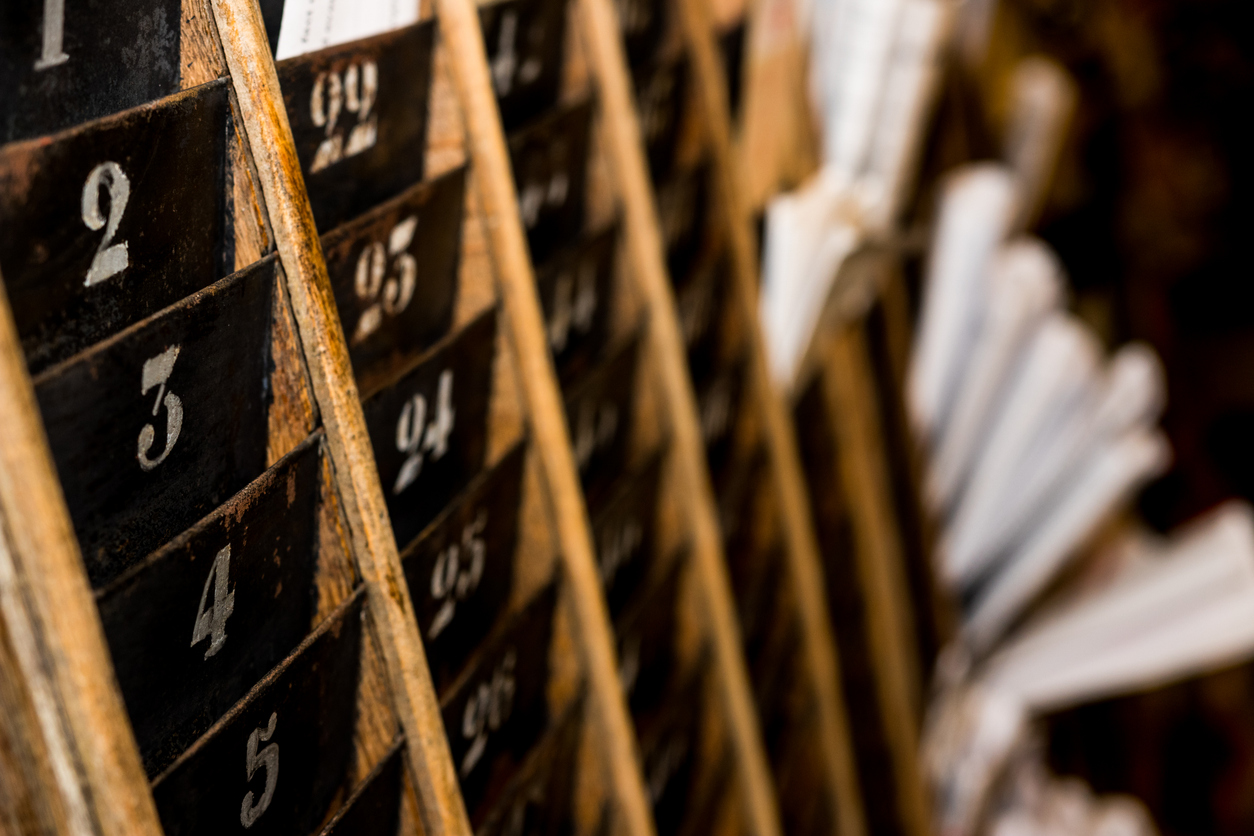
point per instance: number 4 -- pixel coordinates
(211, 624)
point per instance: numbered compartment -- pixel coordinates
(277, 761)
(719, 404)
(374, 808)
(538, 800)
(359, 117)
(498, 709)
(642, 23)
(623, 528)
(701, 300)
(61, 64)
(108, 223)
(394, 274)
(661, 97)
(200, 621)
(669, 751)
(525, 42)
(575, 288)
(683, 212)
(549, 158)
(646, 642)
(460, 571)
(599, 412)
(160, 424)
(429, 429)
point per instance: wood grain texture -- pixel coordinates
(847, 385)
(621, 137)
(49, 619)
(525, 325)
(247, 51)
(802, 548)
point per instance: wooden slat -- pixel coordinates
(256, 83)
(848, 386)
(621, 136)
(49, 619)
(805, 569)
(493, 176)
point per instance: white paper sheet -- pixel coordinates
(310, 25)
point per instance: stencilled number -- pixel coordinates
(655, 106)
(634, 15)
(629, 664)
(156, 373)
(458, 571)
(110, 259)
(354, 91)
(618, 547)
(487, 710)
(594, 430)
(417, 438)
(716, 410)
(541, 192)
(211, 624)
(53, 52)
(574, 305)
(267, 759)
(676, 211)
(506, 59)
(385, 292)
(695, 307)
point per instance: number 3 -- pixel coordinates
(156, 372)
(110, 259)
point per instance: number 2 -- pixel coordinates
(110, 259)
(54, 36)
(212, 624)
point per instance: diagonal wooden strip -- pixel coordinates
(621, 133)
(269, 136)
(805, 568)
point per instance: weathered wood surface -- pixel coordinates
(256, 83)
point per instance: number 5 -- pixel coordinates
(267, 758)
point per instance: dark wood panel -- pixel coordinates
(276, 762)
(374, 807)
(525, 42)
(683, 214)
(429, 429)
(599, 411)
(159, 425)
(549, 159)
(576, 288)
(110, 222)
(64, 63)
(498, 710)
(646, 642)
(662, 99)
(461, 570)
(394, 274)
(669, 754)
(359, 117)
(642, 22)
(239, 585)
(623, 530)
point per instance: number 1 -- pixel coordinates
(54, 34)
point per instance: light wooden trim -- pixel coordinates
(847, 386)
(49, 616)
(805, 568)
(269, 135)
(459, 27)
(621, 133)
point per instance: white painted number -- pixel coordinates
(537, 194)
(487, 710)
(716, 411)
(506, 59)
(392, 296)
(458, 571)
(355, 91)
(267, 758)
(110, 259)
(594, 430)
(417, 439)
(54, 36)
(618, 548)
(574, 305)
(156, 372)
(211, 624)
